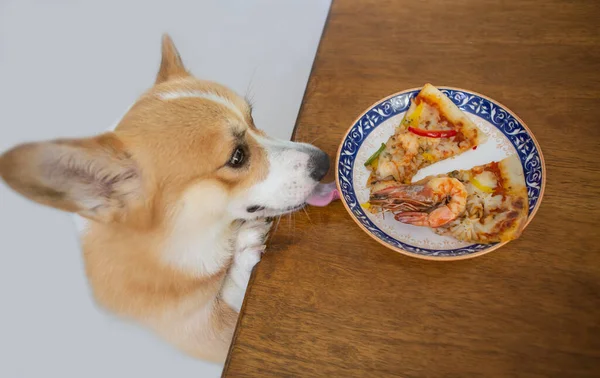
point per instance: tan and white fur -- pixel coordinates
(175, 202)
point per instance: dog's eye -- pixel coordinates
(237, 158)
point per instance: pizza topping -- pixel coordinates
(485, 181)
(375, 156)
(432, 133)
(398, 158)
(483, 188)
(413, 119)
(427, 156)
(432, 203)
(495, 169)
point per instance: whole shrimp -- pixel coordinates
(432, 202)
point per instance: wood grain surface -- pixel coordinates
(329, 301)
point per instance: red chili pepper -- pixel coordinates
(433, 133)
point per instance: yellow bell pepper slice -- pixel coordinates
(375, 164)
(413, 120)
(480, 186)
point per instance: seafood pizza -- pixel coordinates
(485, 204)
(433, 129)
(497, 203)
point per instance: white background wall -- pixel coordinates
(71, 68)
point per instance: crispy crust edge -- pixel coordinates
(453, 114)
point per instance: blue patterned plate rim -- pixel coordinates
(492, 111)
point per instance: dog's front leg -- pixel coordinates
(213, 343)
(249, 247)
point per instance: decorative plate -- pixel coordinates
(507, 135)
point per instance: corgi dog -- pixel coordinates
(176, 203)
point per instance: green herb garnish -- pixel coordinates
(375, 155)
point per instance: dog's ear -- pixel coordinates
(94, 177)
(171, 65)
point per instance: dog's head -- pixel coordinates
(186, 143)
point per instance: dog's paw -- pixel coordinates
(249, 247)
(252, 235)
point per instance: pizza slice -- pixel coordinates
(485, 204)
(433, 129)
(497, 205)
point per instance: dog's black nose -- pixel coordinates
(318, 165)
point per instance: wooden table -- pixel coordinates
(329, 301)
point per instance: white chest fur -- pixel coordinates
(200, 252)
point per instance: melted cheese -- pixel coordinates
(487, 178)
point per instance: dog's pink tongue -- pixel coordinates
(323, 195)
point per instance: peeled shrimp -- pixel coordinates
(394, 164)
(431, 203)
